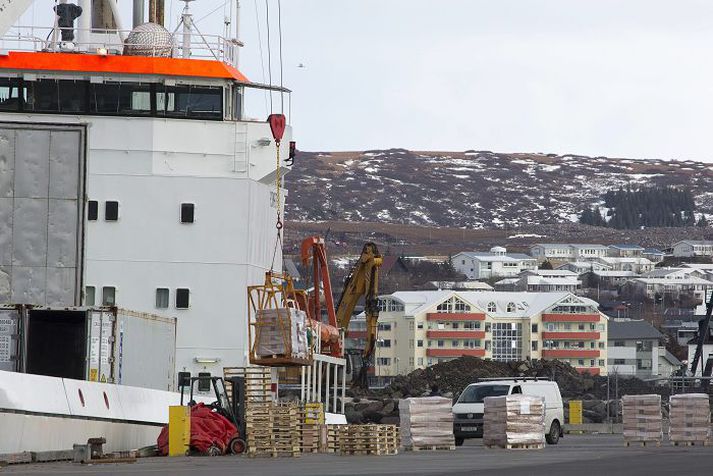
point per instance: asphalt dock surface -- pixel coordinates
(576, 455)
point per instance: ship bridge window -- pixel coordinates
(51, 95)
(9, 94)
(190, 101)
(120, 98)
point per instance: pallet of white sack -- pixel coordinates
(519, 446)
(690, 443)
(429, 447)
(642, 442)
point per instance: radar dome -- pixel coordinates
(149, 39)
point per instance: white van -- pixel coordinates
(468, 410)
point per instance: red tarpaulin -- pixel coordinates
(208, 429)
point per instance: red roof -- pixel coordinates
(91, 63)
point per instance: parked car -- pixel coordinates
(468, 410)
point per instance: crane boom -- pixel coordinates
(363, 280)
(703, 327)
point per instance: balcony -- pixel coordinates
(455, 352)
(455, 316)
(570, 353)
(570, 335)
(570, 318)
(591, 370)
(436, 334)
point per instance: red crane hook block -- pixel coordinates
(277, 122)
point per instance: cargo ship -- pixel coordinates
(133, 178)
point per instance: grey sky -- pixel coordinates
(608, 77)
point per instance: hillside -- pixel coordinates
(472, 189)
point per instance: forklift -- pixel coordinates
(231, 408)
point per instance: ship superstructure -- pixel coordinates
(133, 177)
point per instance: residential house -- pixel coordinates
(702, 270)
(549, 280)
(635, 350)
(653, 254)
(566, 251)
(422, 328)
(673, 287)
(626, 250)
(497, 262)
(606, 279)
(690, 248)
(638, 265)
(581, 267)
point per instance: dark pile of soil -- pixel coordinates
(450, 378)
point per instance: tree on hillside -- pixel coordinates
(702, 222)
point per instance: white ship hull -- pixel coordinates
(40, 413)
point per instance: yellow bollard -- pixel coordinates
(575, 412)
(179, 430)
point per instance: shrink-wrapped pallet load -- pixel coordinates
(690, 418)
(281, 332)
(514, 421)
(427, 423)
(641, 415)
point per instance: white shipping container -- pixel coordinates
(100, 344)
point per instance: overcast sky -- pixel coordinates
(627, 78)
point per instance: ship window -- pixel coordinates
(162, 298)
(108, 296)
(182, 298)
(111, 211)
(92, 210)
(9, 95)
(187, 212)
(50, 95)
(120, 98)
(90, 295)
(190, 101)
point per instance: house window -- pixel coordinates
(419, 343)
(90, 295)
(187, 212)
(162, 298)
(384, 342)
(454, 325)
(602, 345)
(441, 343)
(420, 361)
(182, 298)
(534, 345)
(619, 343)
(580, 362)
(619, 361)
(491, 307)
(601, 362)
(108, 296)
(534, 328)
(111, 211)
(419, 325)
(384, 361)
(410, 361)
(384, 327)
(92, 210)
(510, 307)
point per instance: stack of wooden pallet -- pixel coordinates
(329, 438)
(427, 423)
(273, 429)
(690, 419)
(514, 422)
(258, 384)
(369, 439)
(641, 415)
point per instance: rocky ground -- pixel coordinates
(450, 378)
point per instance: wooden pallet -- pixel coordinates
(365, 439)
(519, 446)
(690, 443)
(642, 443)
(430, 448)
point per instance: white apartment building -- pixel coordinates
(581, 267)
(690, 248)
(542, 280)
(567, 251)
(497, 262)
(422, 328)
